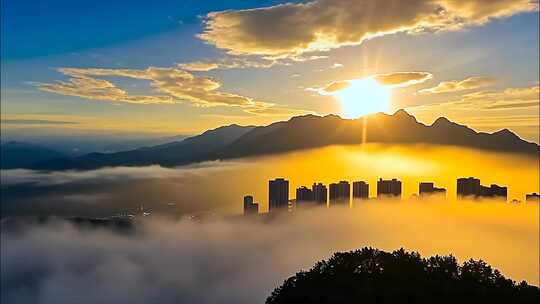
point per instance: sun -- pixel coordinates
(363, 96)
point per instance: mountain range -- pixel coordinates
(299, 132)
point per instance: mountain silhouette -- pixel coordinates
(14, 154)
(301, 132)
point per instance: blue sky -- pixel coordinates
(39, 37)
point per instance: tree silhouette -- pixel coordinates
(372, 276)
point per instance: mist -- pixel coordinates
(241, 260)
(218, 187)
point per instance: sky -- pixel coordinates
(181, 67)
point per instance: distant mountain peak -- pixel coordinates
(442, 121)
(504, 132)
(301, 132)
(404, 115)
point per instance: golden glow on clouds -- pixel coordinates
(244, 62)
(459, 85)
(402, 79)
(513, 108)
(370, 94)
(319, 25)
(174, 85)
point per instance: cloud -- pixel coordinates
(333, 86)
(278, 111)
(509, 94)
(242, 62)
(238, 260)
(459, 85)
(228, 63)
(515, 105)
(199, 66)
(319, 25)
(36, 122)
(337, 65)
(402, 79)
(397, 79)
(512, 108)
(175, 85)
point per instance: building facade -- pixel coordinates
(360, 190)
(428, 189)
(249, 206)
(471, 188)
(278, 194)
(304, 196)
(320, 193)
(389, 188)
(532, 198)
(340, 192)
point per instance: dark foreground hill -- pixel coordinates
(372, 276)
(301, 132)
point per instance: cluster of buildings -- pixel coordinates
(340, 193)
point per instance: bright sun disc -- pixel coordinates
(363, 96)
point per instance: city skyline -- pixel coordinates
(340, 193)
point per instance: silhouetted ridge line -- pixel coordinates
(301, 132)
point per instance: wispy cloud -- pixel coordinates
(36, 122)
(514, 108)
(402, 79)
(397, 79)
(459, 85)
(319, 25)
(173, 85)
(243, 62)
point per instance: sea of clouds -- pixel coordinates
(241, 260)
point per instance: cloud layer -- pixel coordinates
(318, 25)
(220, 260)
(459, 85)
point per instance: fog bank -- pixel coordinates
(239, 260)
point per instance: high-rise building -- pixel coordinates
(468, 187)
(249, 206)
(360, 190)
(304, 196)
(278, 194)
(340, 192)
(471, 187)
(532, 198)
(494, 191)
(388, 188)
(428, 189)
(320, 193)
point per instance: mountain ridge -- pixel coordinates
(300, 132)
